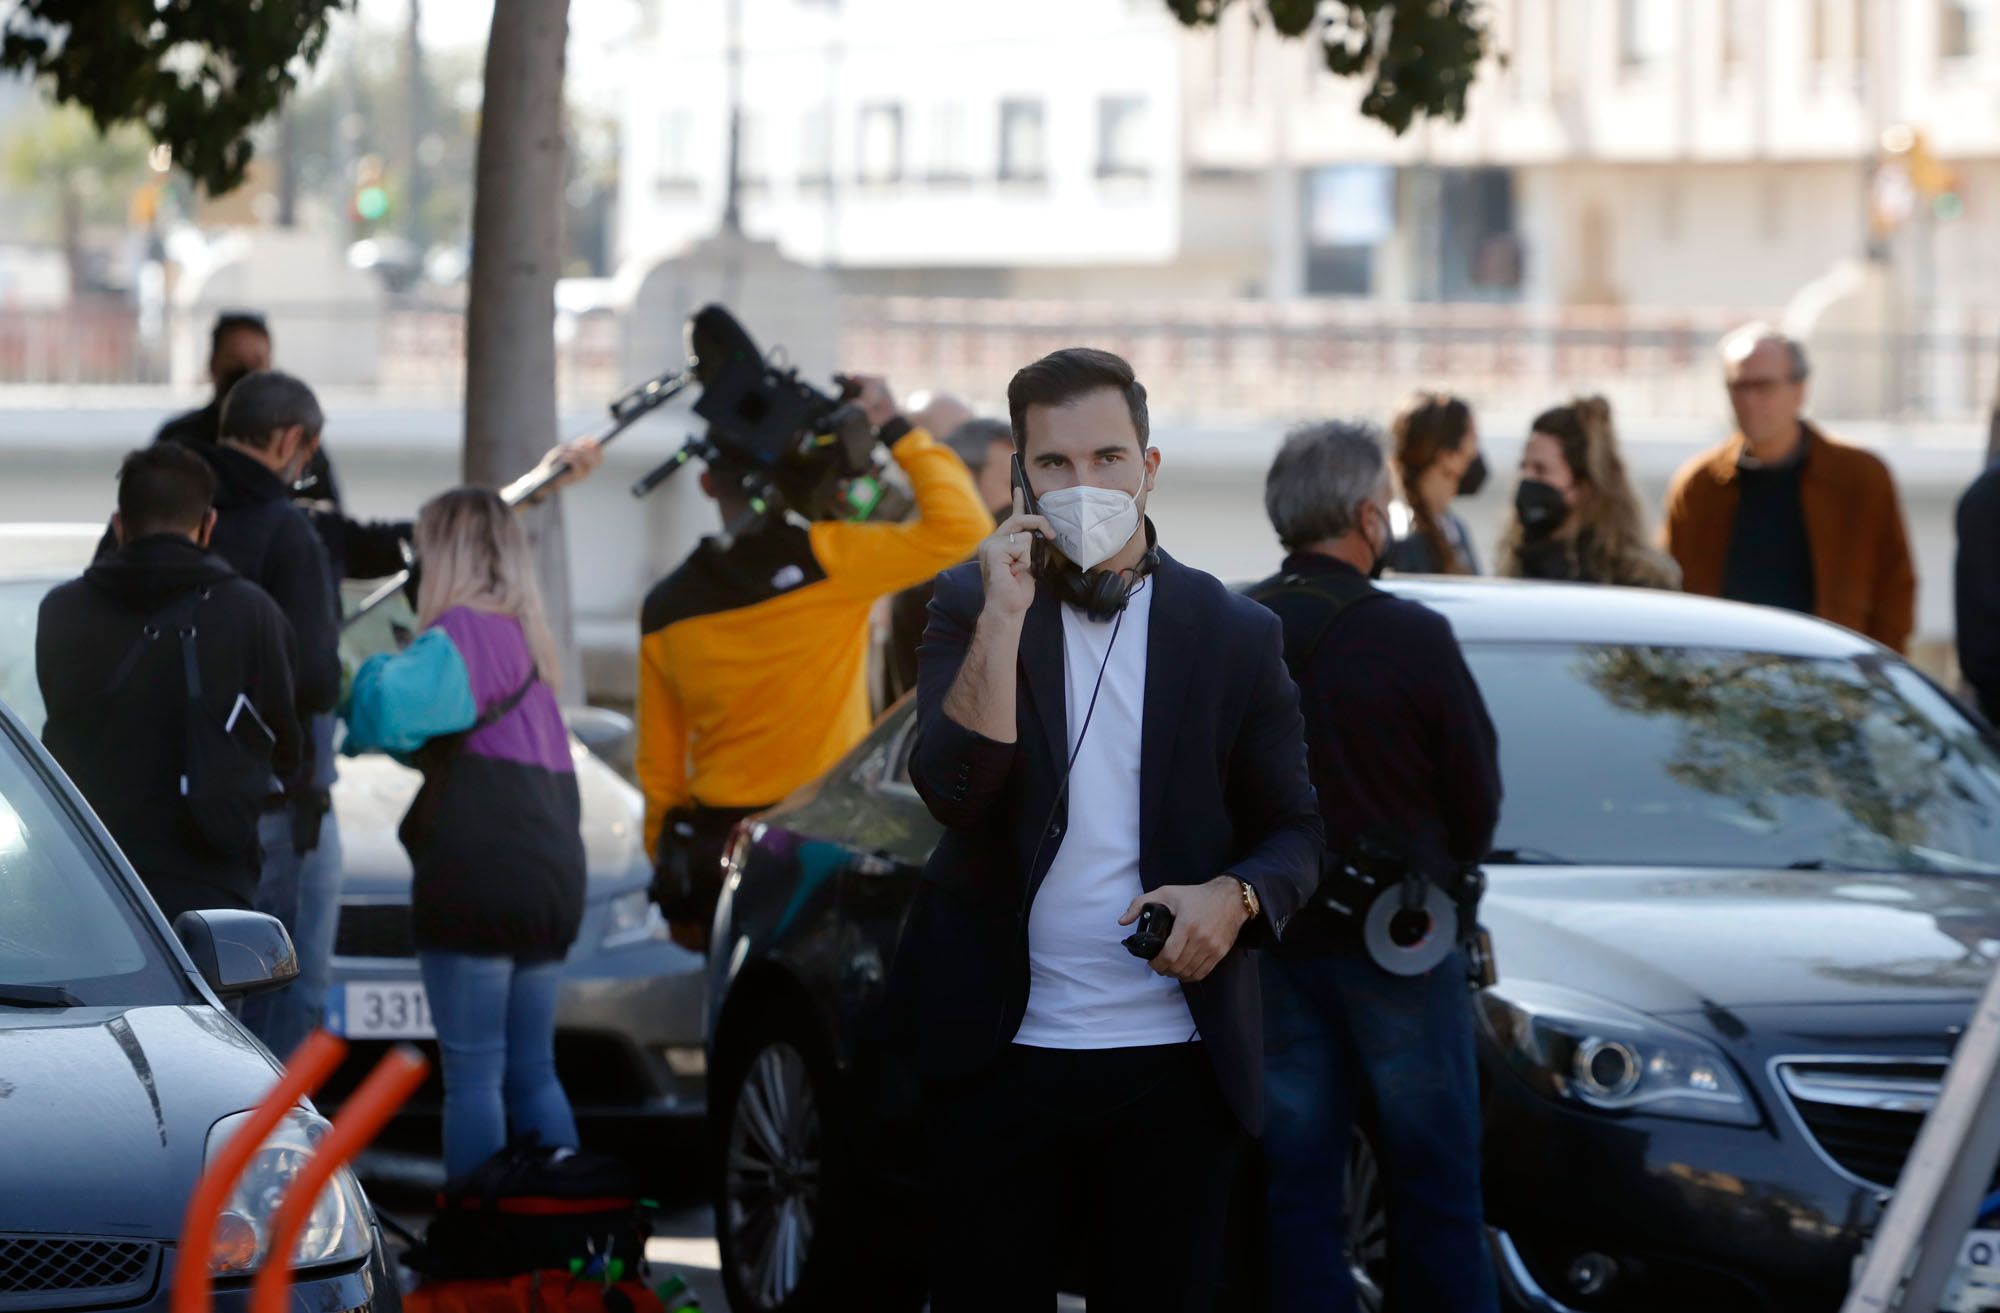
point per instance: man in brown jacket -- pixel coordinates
(1783, 515)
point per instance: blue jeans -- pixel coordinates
(304, 893)
(1339, 1031)
(496, 1026)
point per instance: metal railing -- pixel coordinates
(1221, 358)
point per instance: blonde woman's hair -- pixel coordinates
(474, 554)
(1608, 508)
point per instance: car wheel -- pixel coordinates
(1367, 1242)
(792, 1207)
(773, 1161)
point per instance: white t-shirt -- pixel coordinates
(1085, 991)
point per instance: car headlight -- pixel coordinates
(633, 918)
(338, 1230)
(1576, 1048)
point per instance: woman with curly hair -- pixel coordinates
(1437, 459)
(1576, 517)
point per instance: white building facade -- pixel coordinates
(1617, 152)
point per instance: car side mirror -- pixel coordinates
(238, 952)
(608, 734)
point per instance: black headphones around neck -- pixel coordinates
(1100, 594)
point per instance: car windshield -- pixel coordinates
(20, 605)
(1661, 756)
(387, 628)
(64, 919)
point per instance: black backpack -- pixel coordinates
(224, 783)
(529, 1209)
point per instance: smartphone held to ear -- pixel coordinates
(1038, 554)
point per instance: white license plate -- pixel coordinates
(367, 1009)
(1982, 1249)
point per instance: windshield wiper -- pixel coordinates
(38, 996)
(1525, 857)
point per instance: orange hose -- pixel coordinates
(308, 1069)
(395, 1078)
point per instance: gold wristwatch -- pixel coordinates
(1251, 907)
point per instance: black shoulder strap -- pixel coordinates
(1307, 606)
(493, 713)
(177, 615)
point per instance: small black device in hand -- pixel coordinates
(1156, 923)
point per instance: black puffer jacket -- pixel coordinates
(126, 751)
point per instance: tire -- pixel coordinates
(791, 1206)
(1366, 1243)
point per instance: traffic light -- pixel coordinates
(371, 203)
(1909, 175)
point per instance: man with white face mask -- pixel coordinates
(1100, 728)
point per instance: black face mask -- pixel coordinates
(1474, 478)
(1380, 555)
(1540, 508)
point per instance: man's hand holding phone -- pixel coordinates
(1006, 561)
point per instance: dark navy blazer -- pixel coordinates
(1223, 789)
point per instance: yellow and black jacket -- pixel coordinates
(753, 662)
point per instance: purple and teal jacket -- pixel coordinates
(494, 835)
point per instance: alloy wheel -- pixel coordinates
(771, 1175)
(1367, 1243)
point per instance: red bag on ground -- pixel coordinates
(533, 1292)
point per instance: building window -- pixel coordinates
(816, 147)
(948, 145)
(1966, 28)
(1737, 35)
(1645, 32)
(1819, 30)
(1121, 137)
(1023, 144)
(674, 165)
(879, 154)
(1350, 212)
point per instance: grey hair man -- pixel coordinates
(1783, 514)
(1403, 756)
(1329, 491)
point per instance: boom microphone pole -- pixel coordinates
(626, 410)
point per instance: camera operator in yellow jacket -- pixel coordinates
(753, 654)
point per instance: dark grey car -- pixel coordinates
(121, 1074)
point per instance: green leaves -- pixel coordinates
(1418, 56)
(198, 75)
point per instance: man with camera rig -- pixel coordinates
(753, 656)
(1366, 1003)
(1111, 742)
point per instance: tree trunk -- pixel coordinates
(510, 352)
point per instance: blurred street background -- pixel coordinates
(940, 192)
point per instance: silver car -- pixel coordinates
(629, 1018)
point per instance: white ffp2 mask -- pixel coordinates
(1090, 524)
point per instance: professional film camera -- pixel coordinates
(787, 446)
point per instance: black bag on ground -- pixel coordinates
(223, 783)
(530, 1208)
